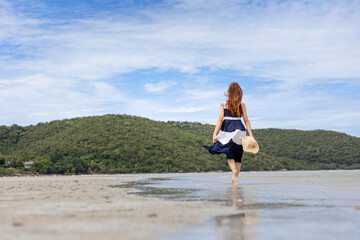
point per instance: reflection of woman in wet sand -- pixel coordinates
(240, 225)
(235, 196)
(227, 140)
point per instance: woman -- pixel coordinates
(227, 140)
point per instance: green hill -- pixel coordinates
(128, 144)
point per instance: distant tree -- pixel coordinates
(16, 163)
(42, 165)
(2, 160)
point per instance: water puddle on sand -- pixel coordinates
(148, 188)
(273, 205)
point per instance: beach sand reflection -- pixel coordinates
(240, 225)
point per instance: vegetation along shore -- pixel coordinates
(129, 144)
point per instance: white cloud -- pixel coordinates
(39, 98)
(61, 68)
(157, 87)
(298, 109)
(290, 41)
(183, 109)
(200, 94)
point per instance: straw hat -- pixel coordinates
(249, 144)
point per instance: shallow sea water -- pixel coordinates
(273, 205)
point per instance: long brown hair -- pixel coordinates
(234, 94)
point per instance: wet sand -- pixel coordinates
(83, 207)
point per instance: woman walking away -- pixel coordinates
(227, 140)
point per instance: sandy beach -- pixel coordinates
(84, 207)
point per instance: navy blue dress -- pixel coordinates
(229, 135)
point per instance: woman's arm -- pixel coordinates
(246, 119)
(219, 122)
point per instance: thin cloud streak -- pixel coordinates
(157, 87)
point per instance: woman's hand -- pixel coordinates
(215, 139)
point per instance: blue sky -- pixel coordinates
(298, 62)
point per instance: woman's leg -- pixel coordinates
(237, 167)
(239, 153)
(232, 166)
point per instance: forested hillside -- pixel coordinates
(129, 144)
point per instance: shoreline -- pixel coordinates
(163, 173)
(85, 207)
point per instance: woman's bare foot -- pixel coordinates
(235, 176)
